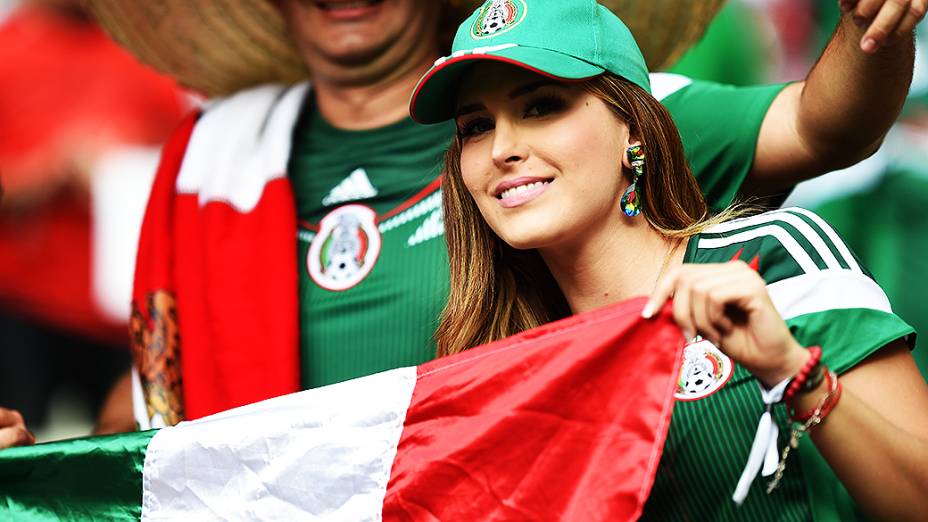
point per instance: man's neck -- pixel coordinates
(370, 106)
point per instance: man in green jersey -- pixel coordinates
(371, 265)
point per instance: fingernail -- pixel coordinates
(648, 311)
(869, 45)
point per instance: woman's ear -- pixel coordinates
(631, 142)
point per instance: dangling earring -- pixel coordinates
(631, 201)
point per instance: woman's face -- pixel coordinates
(542, 159)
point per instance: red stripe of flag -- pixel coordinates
(566, 421)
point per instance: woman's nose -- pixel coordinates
(508, 147)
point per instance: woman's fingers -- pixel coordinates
(715, 323)
(702, 303)
(701, 293)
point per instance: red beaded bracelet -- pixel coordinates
(797, 382)
(824, 407)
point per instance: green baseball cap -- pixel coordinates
(562, 39)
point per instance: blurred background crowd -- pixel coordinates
(81, 123)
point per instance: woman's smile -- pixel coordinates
(519, 191)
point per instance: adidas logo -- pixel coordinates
(354, 187)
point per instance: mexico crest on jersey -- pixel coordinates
(345, 249)
(704, 370)
(498, 16)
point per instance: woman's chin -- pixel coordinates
(527, 240)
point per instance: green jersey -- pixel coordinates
(827, 299)
(373, 270)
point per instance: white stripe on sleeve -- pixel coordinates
(832, 235)
(789, 243)
(807, 231)
(826, 290)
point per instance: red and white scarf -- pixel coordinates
(216, 274)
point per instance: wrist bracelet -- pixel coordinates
(809, 376)
(805, 422)
(824, 407)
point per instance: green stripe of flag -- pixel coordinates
(98, 478)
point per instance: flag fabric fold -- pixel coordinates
(566, 421)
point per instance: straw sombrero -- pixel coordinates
(220, 46)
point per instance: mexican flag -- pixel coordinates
(565, 421)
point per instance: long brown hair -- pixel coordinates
(498, 291)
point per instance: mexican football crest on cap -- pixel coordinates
(497, 17)
(345, 249)
(704, 371)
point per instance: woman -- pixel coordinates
(566, 189)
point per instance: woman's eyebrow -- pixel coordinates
(530, 87)
(518, 91)
(467, 109)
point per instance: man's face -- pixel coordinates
(346, 39)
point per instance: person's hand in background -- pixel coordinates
(13, 431)
(886, 21)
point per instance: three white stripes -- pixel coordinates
(799, 254)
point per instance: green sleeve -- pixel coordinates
(848, 336)
(719, 125)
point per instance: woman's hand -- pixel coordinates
(728, 304)
(13, 430)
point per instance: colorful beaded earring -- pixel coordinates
(631, 201)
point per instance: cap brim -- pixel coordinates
(433, 100)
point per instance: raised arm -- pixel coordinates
(841, 112)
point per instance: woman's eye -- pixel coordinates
(474, 127)
(544, 106)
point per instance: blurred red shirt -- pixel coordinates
(67, 94)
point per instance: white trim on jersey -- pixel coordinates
(807, 231)
(665, 84)
(826, 290)
(832, 235)
(803, 259)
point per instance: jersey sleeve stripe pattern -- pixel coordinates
(807, 231)
(832, 235)
(799, 254)
(840, 285)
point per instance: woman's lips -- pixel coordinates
(520, 194)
